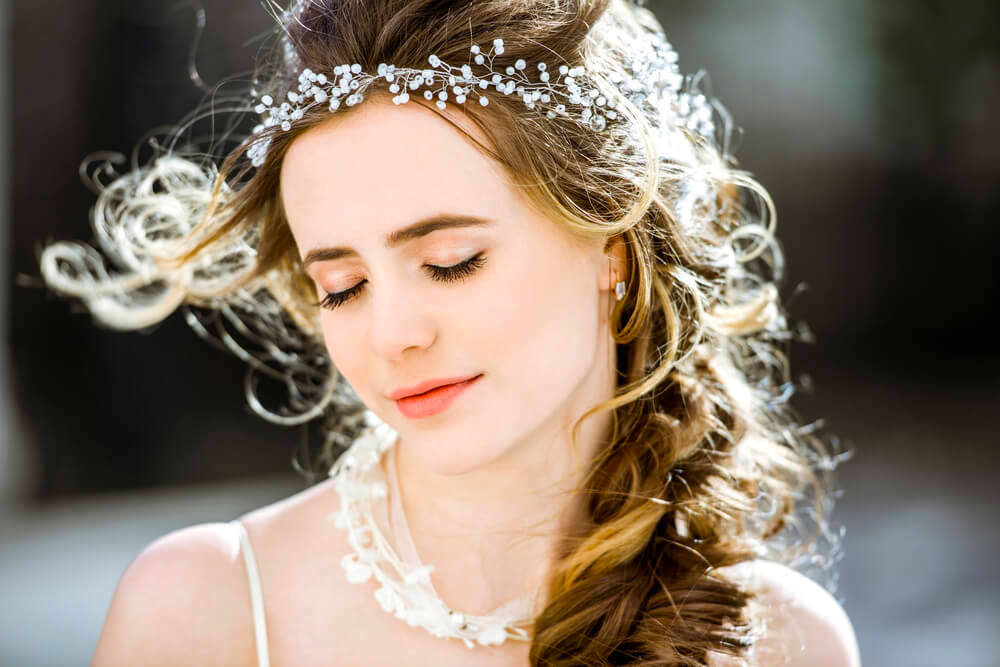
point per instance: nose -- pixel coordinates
(400, 320)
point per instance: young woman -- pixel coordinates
(502, 248)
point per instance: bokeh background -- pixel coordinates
(872, 123)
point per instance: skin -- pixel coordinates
(533, 320)
(480, 483)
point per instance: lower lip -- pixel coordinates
(433, 401)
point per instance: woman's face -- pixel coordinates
(525, 313)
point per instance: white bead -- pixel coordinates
(483, 101)
(499, 51)
(441, 104)
(475, 48)
(286, 126)
(434, 60)
(260, 108)
(519, 63)
(321, 79)
(394, 88)
(479, 59)
(355, 68)
(563, 69)
(498, 42)
(267, 100)
(443, 95)
(510, 70)
(460, 99)
(428, 95)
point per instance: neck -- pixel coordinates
(492, 533)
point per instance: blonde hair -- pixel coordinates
(701, 422)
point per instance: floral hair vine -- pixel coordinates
(653, 83)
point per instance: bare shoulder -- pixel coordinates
(802, 623)
(182, 600)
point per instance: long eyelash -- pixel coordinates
(458, 271)
(452, 273)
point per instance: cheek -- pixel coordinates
(343, 344)
(539, 328)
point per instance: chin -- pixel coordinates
(456, 453)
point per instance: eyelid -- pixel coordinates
(449, 257)
(455, 272)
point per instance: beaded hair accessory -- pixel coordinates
(653, 83)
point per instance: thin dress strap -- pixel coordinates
(256, 598)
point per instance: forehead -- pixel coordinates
(386, 165)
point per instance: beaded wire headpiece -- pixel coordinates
(652, 82)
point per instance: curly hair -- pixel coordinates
(702, 426)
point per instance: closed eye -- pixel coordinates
(453, 273)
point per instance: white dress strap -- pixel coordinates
(256, 598)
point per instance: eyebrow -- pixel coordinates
(417, 230)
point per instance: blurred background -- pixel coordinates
(872, 124)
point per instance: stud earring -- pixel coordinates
(619, 289)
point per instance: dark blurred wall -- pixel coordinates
(109, 409)
(872, 124)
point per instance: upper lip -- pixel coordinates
(426, 385)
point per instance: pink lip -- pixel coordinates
(433, 401)
(425, 386)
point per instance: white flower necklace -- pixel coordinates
(359, 481)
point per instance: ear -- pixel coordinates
(613, 261)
